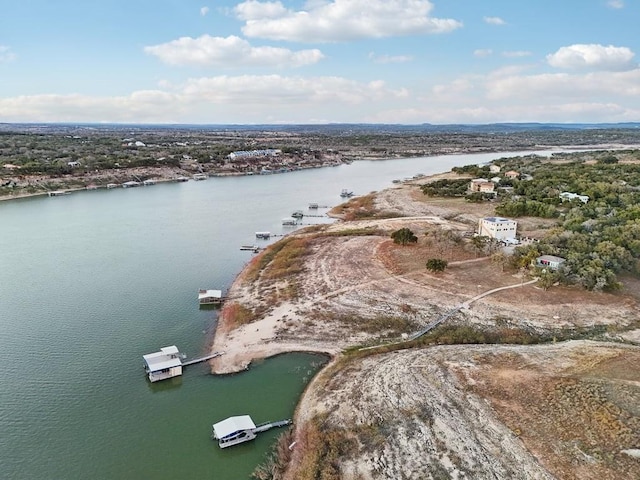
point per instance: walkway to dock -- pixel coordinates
(263, 427)
(202, 359)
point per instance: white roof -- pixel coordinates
(209, 294)
(232, 425)
(167, 357)
(497, 220)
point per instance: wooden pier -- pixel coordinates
(202, 359)
(263, 427)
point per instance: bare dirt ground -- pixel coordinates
(567, 410)
(349, 283)
(441, 412)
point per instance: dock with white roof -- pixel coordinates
(210, 297)
(240, 429)
(168, 363)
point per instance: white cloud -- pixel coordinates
(341, 20)
(593, 57)
(253, 10)
(483, 52)
(276, 89)
(562, 86)
(377, 58)
(617, 4)
(204, 11)
(516, 54)
(229, 51)
(494, 21)
(261, 98)
(6, 55)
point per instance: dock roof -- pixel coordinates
(167, 357)
(209, 294)
(232, 425)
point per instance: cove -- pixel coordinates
(89, 282)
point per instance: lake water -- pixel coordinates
(91, 281)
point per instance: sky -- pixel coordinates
(319, 61)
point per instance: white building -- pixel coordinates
(572, 196)
(550, 261)
(166, 363)
(497, 227)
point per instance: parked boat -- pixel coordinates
(200, 176)
(263, 235)
(131, 184)
(346, 193)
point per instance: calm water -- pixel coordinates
(91, 281)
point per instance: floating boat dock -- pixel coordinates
(210, 297)
(240, 429)
(167, 363)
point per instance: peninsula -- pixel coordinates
(522, 379)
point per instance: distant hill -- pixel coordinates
(333, 128)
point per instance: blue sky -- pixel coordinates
(319, 61)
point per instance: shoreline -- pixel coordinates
(169, 174)
(260, 338)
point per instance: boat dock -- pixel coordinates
(210, 297)
(240, 429)
(202, 359)
(167, 363)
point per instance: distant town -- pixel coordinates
(40, 159)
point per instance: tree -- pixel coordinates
(479, 242)
(404, 236)
(437, 265)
